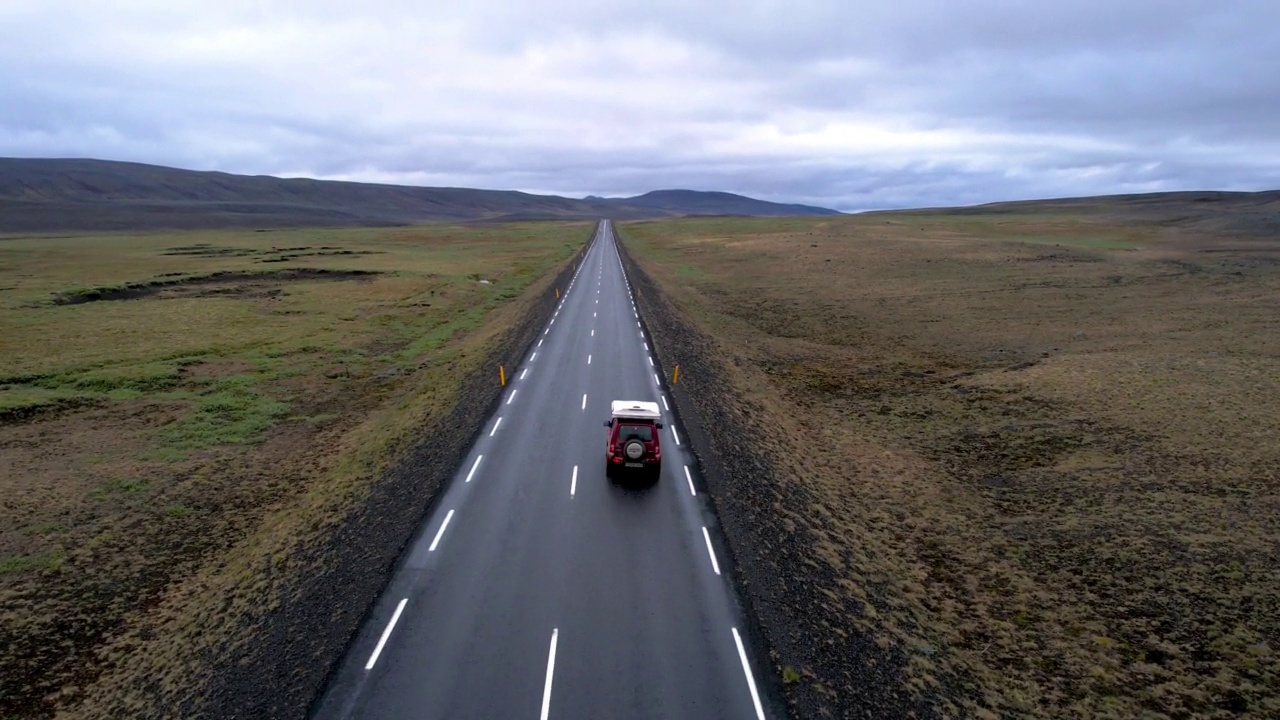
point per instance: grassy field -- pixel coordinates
(173, 405)
(1041, 446)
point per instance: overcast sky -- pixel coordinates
(842, 103)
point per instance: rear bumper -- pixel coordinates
(648, 466)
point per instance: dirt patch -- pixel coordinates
(53, 408)
(230, 282)
(1042, 481)
(264, 255)
(79, 498)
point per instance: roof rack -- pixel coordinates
(636, 409)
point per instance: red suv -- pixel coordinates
(633, 438)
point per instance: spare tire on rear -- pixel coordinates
(633, 450)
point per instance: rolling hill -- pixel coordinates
(42, 195)
(1247, 214)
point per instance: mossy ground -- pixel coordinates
(261, 381)
(1041, 447)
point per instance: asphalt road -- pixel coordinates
(539, 588)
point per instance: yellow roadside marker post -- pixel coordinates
(502, 375)
(675, 376)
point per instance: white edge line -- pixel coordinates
(664, 400)
(534, 356)
(445, 524)
(526, 372)
(382, 641)
(513, 396)
(551, 669)
(650, 362)
(707, 536)
(573, 485)
(539, 343)
(746, 670)
(473, 467)
(675, 434)
(495, 427)
(689, 477)
(655, 379)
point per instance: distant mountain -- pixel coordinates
(40, 195)
(695, 202)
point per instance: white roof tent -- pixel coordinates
(636, 410)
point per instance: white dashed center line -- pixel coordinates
(584, 401)
(513, 396)
(655, 379)
(573, 484)
(689, 477)
(534, 356)
(588, 359)
(593, 332)
(495, 427)
(664, 401)
(675, 434)
(526, 372)
(650, 362)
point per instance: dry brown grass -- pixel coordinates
(1044, 446)
(162, 458)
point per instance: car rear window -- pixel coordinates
(629, 432)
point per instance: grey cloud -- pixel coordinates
(847, 104)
